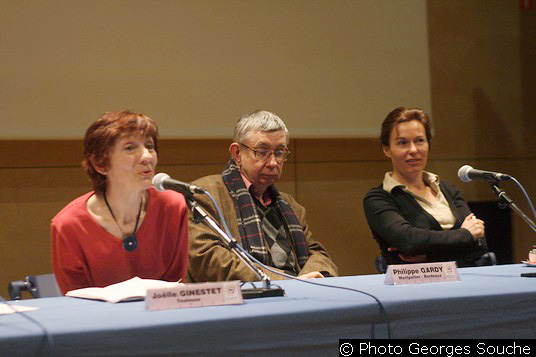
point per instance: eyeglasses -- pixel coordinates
(264, 154)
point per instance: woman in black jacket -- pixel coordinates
(413, 215)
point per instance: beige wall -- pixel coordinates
(329, 67)
(482, 67)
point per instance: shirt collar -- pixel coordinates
(265, 199)
(430, 179)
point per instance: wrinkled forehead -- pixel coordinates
(276, 138)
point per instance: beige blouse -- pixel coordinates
(439, 209)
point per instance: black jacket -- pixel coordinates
(397, 220)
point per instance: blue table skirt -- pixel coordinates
(488, 302)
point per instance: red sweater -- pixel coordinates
(84, 254)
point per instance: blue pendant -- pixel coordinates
(130, 243)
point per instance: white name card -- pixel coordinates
(421, 273)
(194, 295)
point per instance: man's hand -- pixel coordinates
(311, 275)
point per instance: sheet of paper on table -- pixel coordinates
(5, 309)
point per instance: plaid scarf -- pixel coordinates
(249, 222)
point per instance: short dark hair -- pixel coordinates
(102, 135)
(401, 115)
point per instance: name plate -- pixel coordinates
(421, 273)
(194, 295)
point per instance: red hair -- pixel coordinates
(102, 135)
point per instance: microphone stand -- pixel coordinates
(504, 201)
(200, 215)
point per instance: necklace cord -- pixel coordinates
(115, 219)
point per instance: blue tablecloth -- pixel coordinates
(488, 302)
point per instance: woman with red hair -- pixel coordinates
(124, 228)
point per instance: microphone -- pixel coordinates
(466, 173)
(162, 182)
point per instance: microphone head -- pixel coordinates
(158, 181)
(463, 173)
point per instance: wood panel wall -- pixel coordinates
(329, 177)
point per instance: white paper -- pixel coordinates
(4, 309)
(128, 290)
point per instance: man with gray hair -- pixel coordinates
(269, 224)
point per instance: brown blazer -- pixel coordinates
(210, 261)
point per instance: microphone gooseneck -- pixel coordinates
(466, 173)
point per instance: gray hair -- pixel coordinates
(259, 120)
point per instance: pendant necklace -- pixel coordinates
(129, 242)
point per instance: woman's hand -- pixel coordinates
(474, 225)
(409, 258)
